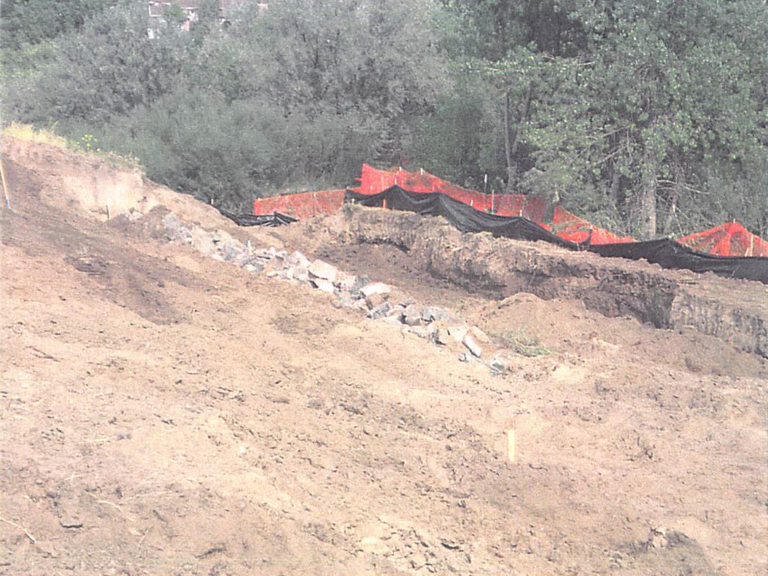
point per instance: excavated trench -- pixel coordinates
(736, 311)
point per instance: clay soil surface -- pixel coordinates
(164, 413)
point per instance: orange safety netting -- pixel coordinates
(564, 224)
(300, 206)
(568, 226)
(730, 239)
(727, 240)
(373, 181)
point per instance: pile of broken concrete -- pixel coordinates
(375, 299)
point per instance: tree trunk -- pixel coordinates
(671, 214)
(613, 193)
(511, 146)
(511, 175)
(678, 175)
(648, 197)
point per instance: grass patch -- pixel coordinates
(524, 344)
(86, 145)
(29, 133)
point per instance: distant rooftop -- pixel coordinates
(192, 7)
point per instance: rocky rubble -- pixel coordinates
(430, 323)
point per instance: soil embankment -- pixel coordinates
(163, 412)
(734, 311)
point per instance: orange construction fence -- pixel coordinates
(564, 224)
(568, 226)
(726, 240)
(730, 239)
(373, 181)
(301, 206)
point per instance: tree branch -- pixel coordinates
(673, 183)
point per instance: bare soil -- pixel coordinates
(734, 311)
(164, 413)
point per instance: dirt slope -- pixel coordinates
(164, 413)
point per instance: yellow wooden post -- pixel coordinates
(511, 445)
(5, 185)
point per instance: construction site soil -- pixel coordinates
(166, 413)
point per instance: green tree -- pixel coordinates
(198, 143)
(372, 59)
(28, 27)
(449, 141)
(515, 46)
(208, 19)
(27, 22)
(627, 109)
(106, 69)
(676, 87)
(230, 152)
(174, 15)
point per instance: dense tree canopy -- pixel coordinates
(28, 26)
(28, 22)
(646, 115)
(108, 68)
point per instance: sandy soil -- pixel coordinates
(163, 413)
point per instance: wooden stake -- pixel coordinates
(5, 185)
(511, 445)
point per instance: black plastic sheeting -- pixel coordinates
(669, 254)
(464, 217)
(269, 220)
(665, 252)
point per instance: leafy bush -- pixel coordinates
(105, 70)
(231, 152)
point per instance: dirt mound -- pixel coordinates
(733, 310)
(167, 413)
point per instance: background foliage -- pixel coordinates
(647, 116)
